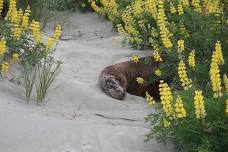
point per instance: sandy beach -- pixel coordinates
(77, 116)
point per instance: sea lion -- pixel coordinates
(115, 80)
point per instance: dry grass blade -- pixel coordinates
(29, 77)
(46, 74)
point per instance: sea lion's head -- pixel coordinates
(112, 87)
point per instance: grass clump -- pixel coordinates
(29, 77)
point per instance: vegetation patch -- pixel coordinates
(189, 39)
(22, 42)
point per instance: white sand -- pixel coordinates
(77, 115)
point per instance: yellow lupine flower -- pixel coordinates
(185, 2)
(137, 7)
(140, 80)
(157, 57)
(127, 16)
(226, 106)
(54, 38)
(158, 72)
(149, 99)
(121, 30)
(50, 42)
(180, 8)
(25, 18)
(112, 4)
(15, 57)
(180, 45)
(131, 30)
(166, 123)
(164, 32)
(186, 83)
(28, 10)
(179, 108)
(1, 5)
(135, 58)
(172, 8)
(2, 46)
(17, 32)
(104, 3)
(5, 68)
(199, 104)
(225, 80)
(218, 51)
(196, 4)
(215, 76)
(20, 14)
(12, 13)
(57, 32)
(151, 7)
(191, 59)
(208, 7)
(25, 21)
(141, 24)
(216, 6)
(138, 40)
(166, 98)
(155, 46)
(95, 7)
(36, 33)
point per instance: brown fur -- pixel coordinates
(126, 73)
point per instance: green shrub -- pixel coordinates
(21, 42)
(191, 134)
(187, 38)
(140, 25)
(25, 47)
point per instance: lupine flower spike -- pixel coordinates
(199, 105)
(166, 98)
(140, 80)
(164, 32)
(215, 71)
(135, 59)
(1, 6)
(166, 123)
(179, 108)
(15, 58)
(158, 72)
(191, 59)
(149, 99)
(2, 46)
(5, 68)
(157, 57)
(185, 81)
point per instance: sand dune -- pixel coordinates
(77, 116)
